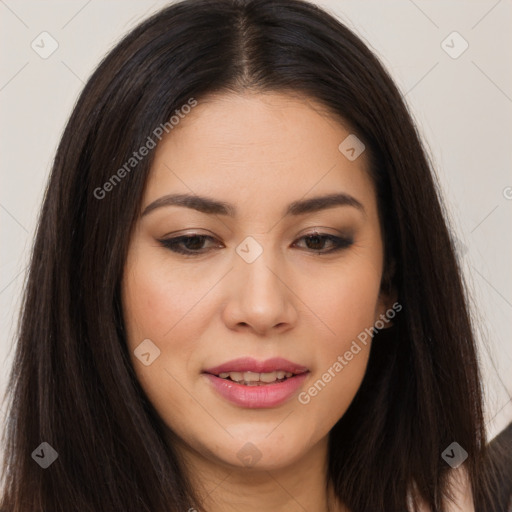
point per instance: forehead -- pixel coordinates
(267, 149)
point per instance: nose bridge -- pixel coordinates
(256, 259)
(258, 296)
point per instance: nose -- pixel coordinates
(259, 298)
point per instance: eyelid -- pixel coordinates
(324, 230)
(314, 230)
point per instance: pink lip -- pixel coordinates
(264, 396)
(248, 364)
(253, 397)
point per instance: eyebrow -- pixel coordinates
(212, 206)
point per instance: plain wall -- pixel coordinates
(463, 107)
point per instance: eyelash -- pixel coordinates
(173, 243)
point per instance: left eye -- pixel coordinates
(192, 245)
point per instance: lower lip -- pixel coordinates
(268, 395)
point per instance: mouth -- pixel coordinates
(249, 383)
(250, 372)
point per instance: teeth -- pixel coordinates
(236, 376)
(268, 377)
(251, 377)
(255, 379)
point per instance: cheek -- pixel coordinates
(163, 302)
(170, 309)
(346, 304)
(151, 303)
(346, 307)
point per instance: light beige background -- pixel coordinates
(463, 107)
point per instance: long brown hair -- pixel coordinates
(72, 384)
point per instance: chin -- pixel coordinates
(259, 452)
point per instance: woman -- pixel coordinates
(243, 291)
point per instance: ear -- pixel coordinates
(387, 305)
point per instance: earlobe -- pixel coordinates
(388, 297)
(388, 307)
(388, 279)
(387, 310)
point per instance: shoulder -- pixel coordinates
(460, 489)
(462, 494)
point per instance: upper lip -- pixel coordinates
(248, 364)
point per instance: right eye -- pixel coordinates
(188, 245)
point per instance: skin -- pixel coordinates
(258, 152)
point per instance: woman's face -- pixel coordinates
(256, 283)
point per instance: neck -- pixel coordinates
(300, 485)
